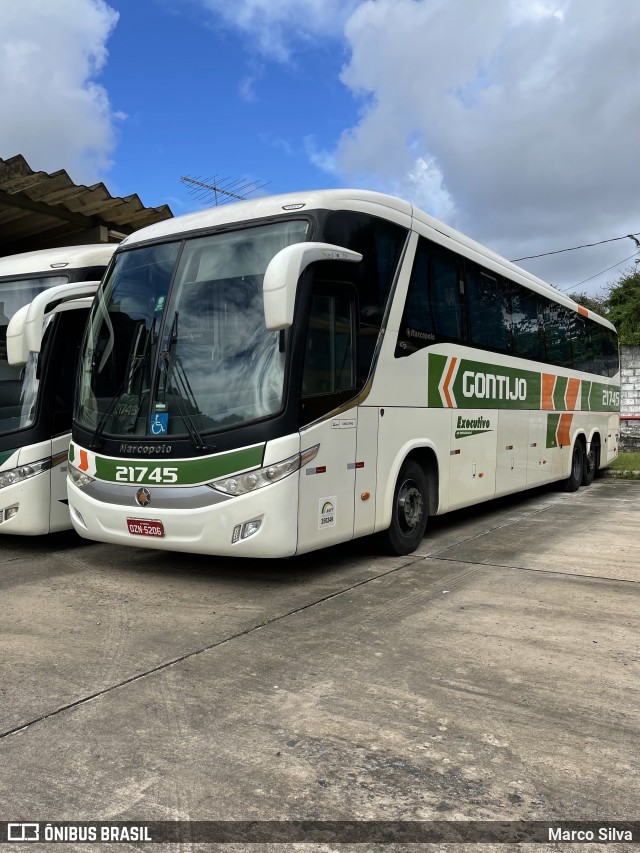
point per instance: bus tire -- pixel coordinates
(410, 510)
(590, 466)
(574, 480)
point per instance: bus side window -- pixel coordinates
(444, 295)
(581, 343)
(489, 314)
(329, 371)
(597, 338)
(556, 334)
(380, 243)
(610, 349)
(525, 323)
(433, 310)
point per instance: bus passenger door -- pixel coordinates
(327, 482)
(62, 360)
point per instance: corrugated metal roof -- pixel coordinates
(39, 210)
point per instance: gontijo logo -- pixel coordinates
(493, 385)
(455, 382)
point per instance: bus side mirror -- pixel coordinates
(283, 273)
(24, 332)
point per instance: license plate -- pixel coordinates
(145, 527)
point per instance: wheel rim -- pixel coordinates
(410, 507)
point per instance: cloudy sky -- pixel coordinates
(516, 121)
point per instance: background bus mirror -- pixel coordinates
(24, 332)
(284, 271)
(17, 351)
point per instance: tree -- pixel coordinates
(623, 304)
(619, 302)
(595, 303)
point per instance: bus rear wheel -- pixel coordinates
(410, 510)
(574, 480)
(591, 464)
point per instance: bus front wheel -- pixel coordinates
(574, 480)
(410, 510)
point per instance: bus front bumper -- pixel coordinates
(25, 506)
(257, 524)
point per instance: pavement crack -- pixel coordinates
(192, 654)
(533, 569)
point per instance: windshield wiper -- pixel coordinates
(175, 369)
(138, 362)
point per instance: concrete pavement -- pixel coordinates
(493, 675)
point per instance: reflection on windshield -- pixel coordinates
(216, 365)
(19, 385)
(115, 374)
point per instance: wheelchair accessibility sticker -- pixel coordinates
(159, 423)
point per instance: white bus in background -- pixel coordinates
(39, 341)
(278, 375)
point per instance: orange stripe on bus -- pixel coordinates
(548, 381)
(564, 430)
(582, 311)
(445, 387)
(84, 461)
(571, 395)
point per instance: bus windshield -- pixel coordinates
(19, 385)
(176, 342)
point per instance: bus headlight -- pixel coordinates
(78, 477)
(23, 472)
(252, 480)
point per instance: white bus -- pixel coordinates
(274, 376)
(39, 343)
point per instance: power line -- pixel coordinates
(573, 248)
(584, 281)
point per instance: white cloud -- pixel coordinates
(525, 112)
(277, 26)
(52, 110)
(514, 120)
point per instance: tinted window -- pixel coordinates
(610, 351)
(556, 333)
(329, 371)
(433, 310)
(489, 310)
(381, 244)
(524, 318)
(581, 345)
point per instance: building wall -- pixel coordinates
(630, 397)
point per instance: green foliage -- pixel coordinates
(623, 304)
(619, 302)
(593, 303)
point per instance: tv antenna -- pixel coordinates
(212, 192)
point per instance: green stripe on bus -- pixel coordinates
(437, 364)
(559, 392)
(188, 471)
(480, 385)
(5, 454)
(491, 386)
(552, 430)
